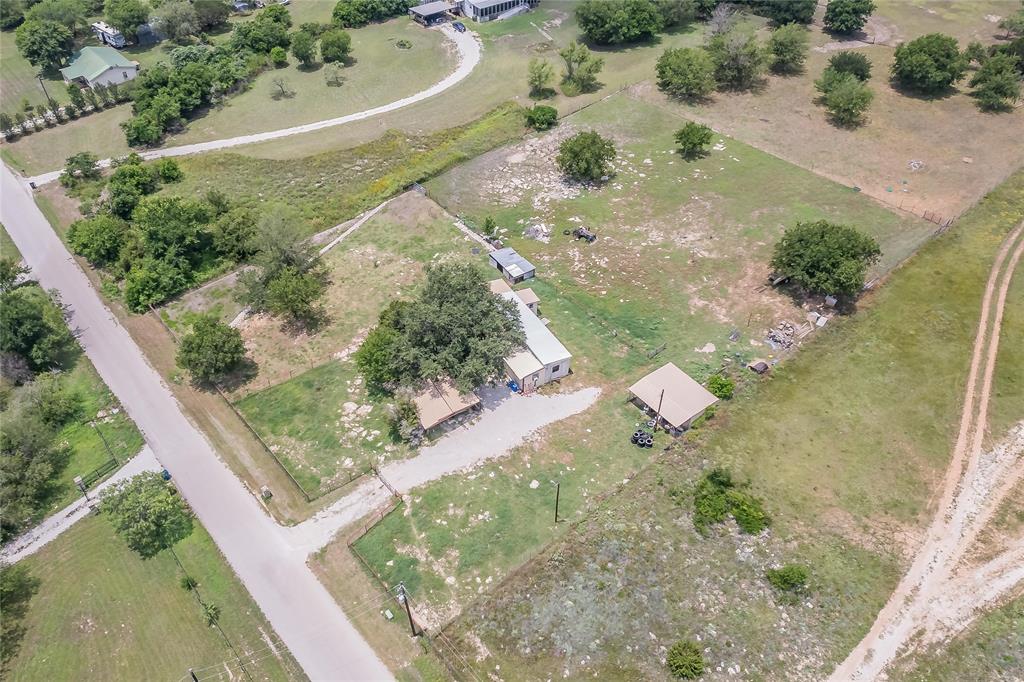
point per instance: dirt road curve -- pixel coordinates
(939, 596)
(466, 44)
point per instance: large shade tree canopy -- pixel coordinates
(825, 258)
(454, 327)
(148, 513)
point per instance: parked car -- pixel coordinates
(459, 26)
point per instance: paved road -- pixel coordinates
(469, 56)
(301, 610)
(33, 540)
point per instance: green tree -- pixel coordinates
(997, 83)
(929, 64)
(279, 56)
(685, 660)
(686, 73)
(613, 22)
(825, 258)
(211, 13)
(172, 227)
(304, 48)
(151, 281)
(11, 273)
(295, 293)
(69, 13)
(1013, 24)
(168, 170)
(278, 245)
(783, 12)
(78, 167)
(6, 124)
(12, 13)
(126, 15)
(263, 33)
(335, 45)
(127, 185)
(739, 60)
(45, 44)
(847, 100)
(148, 513)
(233, 233)
(539, 74)
(177, 19)
(853, 63)
(454, 327)
(541, 117)
(75, 95)
(98, 239)
(586, 156)
(788, 47)
(142, 130)
(211, 349)
(693, 139)
(847, 16)
(34, 328)
(581, 68)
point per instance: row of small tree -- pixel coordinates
(82, 102)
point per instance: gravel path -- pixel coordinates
(33, 540)
(469, 56)
(507, 421)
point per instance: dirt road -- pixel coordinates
(938, 597)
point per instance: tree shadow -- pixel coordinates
(694, 155)
(282, 93)
(542, 94)
(312, 67)
(245, 372)
(308, 324)
(913, 93)
(19, 588)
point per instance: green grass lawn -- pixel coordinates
(305, 416)
(7, 247)
(844, 443)
(378, 73)
(101, 612)
(101, 418)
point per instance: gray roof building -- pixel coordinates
(512, 266)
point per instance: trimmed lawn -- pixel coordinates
(844, 443)
(102, 418)
(7, 247)
(102, 612)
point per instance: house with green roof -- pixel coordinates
(103, 65)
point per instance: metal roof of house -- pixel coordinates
(683, 399)
(511, 261)
(523, 364)
(528, 296)
(484, 4)
(439, 401)
(499, 286)
(427, 9)
(92, 61)
(539, 339)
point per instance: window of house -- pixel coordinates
(555, 368)
(124, 75)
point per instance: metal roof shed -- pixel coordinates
(674, 393)
(430, 12)
(441, 400)
(514, 267)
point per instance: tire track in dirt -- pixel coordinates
(954, 525)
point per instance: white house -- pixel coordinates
(544, 359)
(103, 65)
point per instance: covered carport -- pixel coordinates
(430, 13)
(672, 396)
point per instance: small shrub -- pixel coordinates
(168, 170)
(789, 578)
(403, 44)
(541, 117)
(787, 48)
(188, 583)
(721, 387)
(586, 156)
(685, 660)
(853, 63)
(278, 56)
(693, 139)
(747, 510)
(211, 613)
(490, 227)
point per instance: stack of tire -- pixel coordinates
(642, 439)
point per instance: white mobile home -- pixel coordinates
(544, 359)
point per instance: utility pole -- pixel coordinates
(558, 493)
(194, 678)
(657, 416)
(40, 77)
(404, 597)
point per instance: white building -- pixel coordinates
(104, 65)
(108, 35)
(544, 358)
(489, 10)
